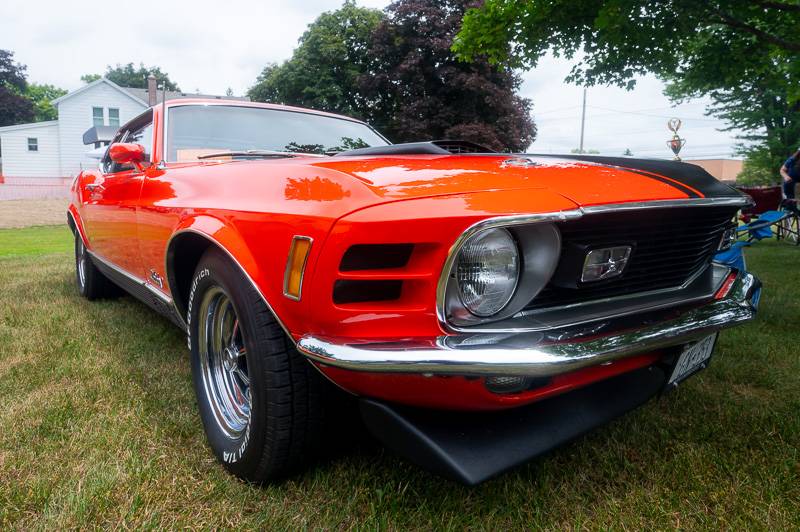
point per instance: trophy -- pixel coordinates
(675, 143)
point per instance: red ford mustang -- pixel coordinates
(482, 307)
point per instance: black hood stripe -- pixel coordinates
(660, 178)
(688, 178)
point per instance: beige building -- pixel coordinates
(722, 169)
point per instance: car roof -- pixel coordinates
(239, 103)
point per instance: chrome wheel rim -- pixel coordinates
(81, 262)
(223, 362)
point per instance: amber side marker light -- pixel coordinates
(295, 267)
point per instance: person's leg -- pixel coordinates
(789, 193)
(788, 189)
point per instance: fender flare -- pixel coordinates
(217, 234)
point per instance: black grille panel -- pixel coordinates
(669, 246)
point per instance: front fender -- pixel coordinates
(257, 245)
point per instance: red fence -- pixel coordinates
(12, 188)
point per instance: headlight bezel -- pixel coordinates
(539, 248)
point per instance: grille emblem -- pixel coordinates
(605, 263)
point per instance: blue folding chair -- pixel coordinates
(762, 227)
(734, 256)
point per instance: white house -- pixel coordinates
(56, 149)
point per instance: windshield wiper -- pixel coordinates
(256, 153)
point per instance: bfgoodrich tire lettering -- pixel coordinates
(259, 400)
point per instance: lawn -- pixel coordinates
(98, 427)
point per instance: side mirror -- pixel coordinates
(127, 153)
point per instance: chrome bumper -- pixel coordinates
(539, 354)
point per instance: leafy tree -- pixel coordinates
(418, 89)
(760, 168)
(42, 96)
(621, 38)
(324, 70)
(130, 76)
(396, 70)
(15, 108)
(741, 53)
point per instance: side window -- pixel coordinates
(143, 136)
(107, 165)
(140, 131)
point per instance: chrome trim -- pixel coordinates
(534, 354)
(489, 223)
(728, 201)
(302, 268)
(78, 228)
(561, 216)
(241, 268)
(134, 279)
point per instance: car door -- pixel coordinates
(110, 201)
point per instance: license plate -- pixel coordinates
(693, 358)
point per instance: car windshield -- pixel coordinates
(208, 131)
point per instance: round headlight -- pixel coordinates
(487, 270)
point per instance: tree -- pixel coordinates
(15, 108)
(418, 89)
(742, 53)
(324, 70)
(130, 76)
(621, 38)
(42, 96)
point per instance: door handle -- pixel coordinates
(93, 187)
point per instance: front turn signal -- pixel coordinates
(295, 267)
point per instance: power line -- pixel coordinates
(619, 111)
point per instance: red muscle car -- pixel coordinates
(483, 307)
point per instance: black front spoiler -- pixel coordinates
(472, 447)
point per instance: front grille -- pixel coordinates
(669, 247)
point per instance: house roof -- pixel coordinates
(140, 95)
(28, 126)
(94, 84)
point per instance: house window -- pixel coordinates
(33, 144)
(113, 117)
(97, 116)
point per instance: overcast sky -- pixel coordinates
(213, 45)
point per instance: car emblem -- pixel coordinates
(605, 263)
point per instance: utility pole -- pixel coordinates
(583, 120)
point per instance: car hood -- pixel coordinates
(583, 182)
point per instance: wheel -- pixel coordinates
(92, 284)
(260, 401)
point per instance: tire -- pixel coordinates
(260, 401)
(92, 284)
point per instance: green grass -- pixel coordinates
(98, 427)
(35, 240)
